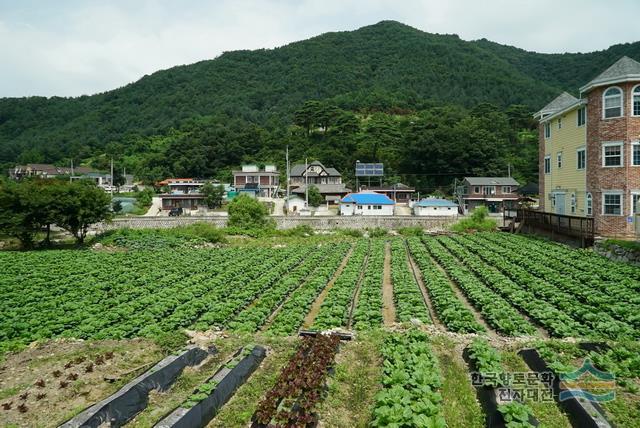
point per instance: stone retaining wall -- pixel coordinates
(319, 223)
(617, 253)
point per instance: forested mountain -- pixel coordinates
(203, 118)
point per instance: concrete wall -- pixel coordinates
(320, 223)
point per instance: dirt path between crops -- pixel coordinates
(460, 295)
(315, 308)
(388, 306)
(417, 274)
(356, 292)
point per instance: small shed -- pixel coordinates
(366, 203)
(435, 207)
(294, 204)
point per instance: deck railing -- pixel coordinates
(580, 228)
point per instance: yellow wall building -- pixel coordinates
(563, 153)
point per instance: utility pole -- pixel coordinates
(111, 177)
(509, 169)
(288, 172)
(71, 177)
(306, 184)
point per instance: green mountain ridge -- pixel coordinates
(388, 67)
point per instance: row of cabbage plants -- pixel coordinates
(600, 322)
(292, 313)
(450, 310)
(334, 310)
(497, 312)
(407, 296)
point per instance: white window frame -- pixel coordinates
(604, 97)
(491, 189)
(547, 161)
(634, 145)
(620, 193)
(506, 189)
(559, 160)
(573, 203)
(613, 144)
(476, 189)
(582, 111)
(633, 96)
(588, 204)
(547, 130)
(583, 150)
(633, 194)
(559, 123)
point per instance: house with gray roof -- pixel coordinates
(327, 180)
(495, 193)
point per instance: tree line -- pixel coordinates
(31, 207)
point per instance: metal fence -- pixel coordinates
(578, 228)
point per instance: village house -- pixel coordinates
(186, 193)
(399, 192)
(366, 203)
(259, 182)
(496, 193)
(589, 151)
(328, 181)
(44, 170)
(181, 185)
(435, 207)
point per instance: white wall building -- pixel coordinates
(295, 204)
(366, 203)
(435, 207)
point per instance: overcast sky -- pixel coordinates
(73, 47)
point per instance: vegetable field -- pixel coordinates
(491, 293)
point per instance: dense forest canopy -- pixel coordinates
(427, 105)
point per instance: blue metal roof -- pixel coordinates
(435, 202)
(367, 199)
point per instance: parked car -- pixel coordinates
(175, 212)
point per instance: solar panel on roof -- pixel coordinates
(369, 169)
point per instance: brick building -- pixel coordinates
(589, 151)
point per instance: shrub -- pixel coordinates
(301, 231)
(315, 198)
(183, 236)
(246, 212)
(116, 206)
(411, 231)
(356, 233)
(171, 341)
(377, 232)
(144, 198)
(477, 222)
(206, 231)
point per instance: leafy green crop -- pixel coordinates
(406, 292)
(411, 384)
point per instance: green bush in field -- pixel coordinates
(355, 233)
(301, 231)
(411, 231)
(183, 236)
(246, 212)
(377, 232)
(477, 222)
